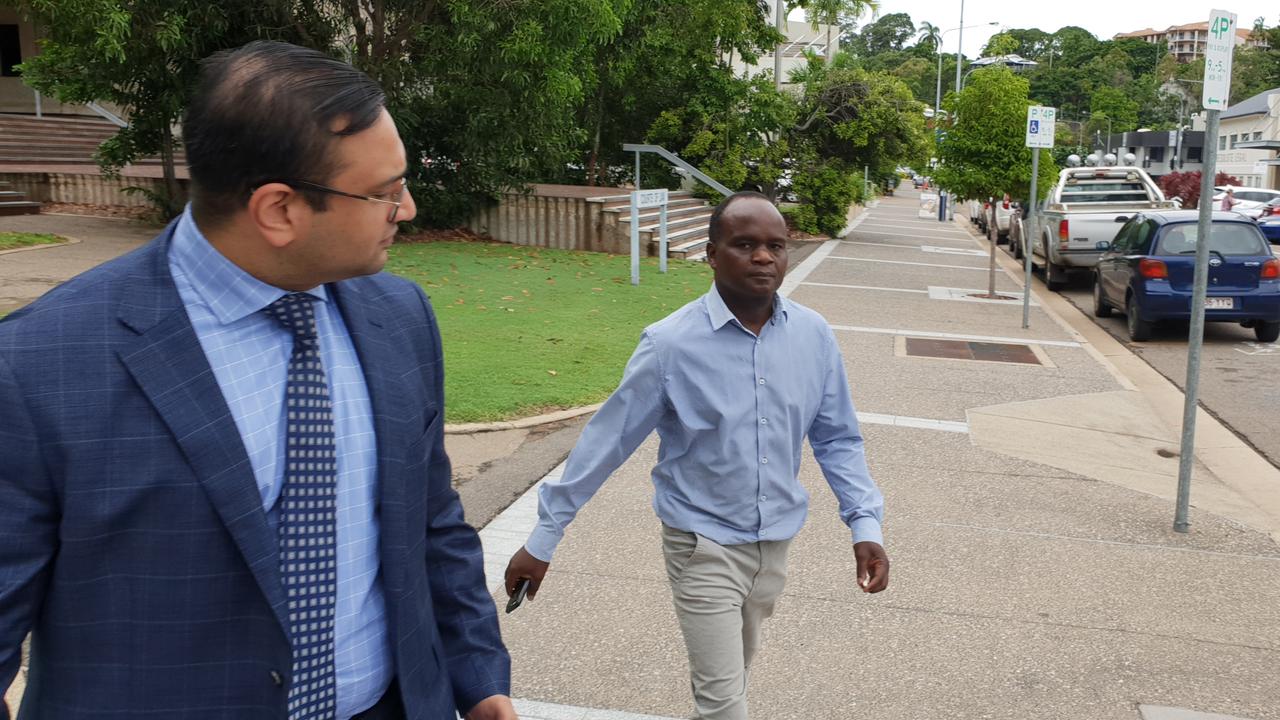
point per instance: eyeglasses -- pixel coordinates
(394, 198)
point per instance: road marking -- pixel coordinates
(915, 236)
(904, 262)
(802, 271)
(919, 229)
(953, 251)
(1257, 348)
(913, 422)
(954, 336)
(532, 710)
(864, 287)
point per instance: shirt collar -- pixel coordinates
(226, 289)
(720, 314)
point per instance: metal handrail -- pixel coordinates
(110, 116)
(675, 160)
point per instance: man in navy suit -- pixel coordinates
(223, 486)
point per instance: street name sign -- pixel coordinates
(1040, 123)
(650, 198)
(1217, 60)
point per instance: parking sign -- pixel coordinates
(1217, 60)
(1040, 125)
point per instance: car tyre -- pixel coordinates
(1100, 307)
(1139, 329)
(1054, 276)
(1266, 332)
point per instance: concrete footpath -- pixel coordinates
(1028, 477)
(1029, 511)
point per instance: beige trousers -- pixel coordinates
(722, 594)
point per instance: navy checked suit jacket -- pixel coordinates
(133, 541)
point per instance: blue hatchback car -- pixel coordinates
(1148, 272)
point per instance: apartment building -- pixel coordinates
(1187, 42)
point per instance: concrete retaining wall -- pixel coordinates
(553, 218)
(83, 188)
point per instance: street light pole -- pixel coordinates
(959, 46)
(937, 97)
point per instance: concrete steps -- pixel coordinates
(28, 140)
(687, 218)
(13, 202)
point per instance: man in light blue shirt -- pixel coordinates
(733, 383)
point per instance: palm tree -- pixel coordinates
(930, 35)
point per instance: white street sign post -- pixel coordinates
(1217, 88)
(647, 199)
(1040, 130)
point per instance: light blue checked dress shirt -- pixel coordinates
(732, 410)
(249, 352)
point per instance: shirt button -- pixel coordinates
(763, 498)
(761, 381)
(764, 421)
(764, 533)
(764, 461)
(277, 678)
(757, 341)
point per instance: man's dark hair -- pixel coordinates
(713, 228)
(270, 111)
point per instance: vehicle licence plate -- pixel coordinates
(1219, 303)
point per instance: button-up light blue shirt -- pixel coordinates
(249, 353)
(732, 410)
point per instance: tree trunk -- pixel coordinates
(171, 189)
(592, 171)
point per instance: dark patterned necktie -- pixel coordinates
(308, 516)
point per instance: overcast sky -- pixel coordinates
(1103, 18)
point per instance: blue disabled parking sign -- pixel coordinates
(1035, 127)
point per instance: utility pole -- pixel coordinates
(780, 20)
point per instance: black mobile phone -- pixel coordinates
(522, 587)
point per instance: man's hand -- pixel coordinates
(873, 566)
(524, 565)
(494, 707)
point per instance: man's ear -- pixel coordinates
(711, 254)
(279, 213)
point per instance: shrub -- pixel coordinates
(1186, 185)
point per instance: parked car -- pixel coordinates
(1270, 227)
(1147, 272)
(1249, 201)
(1271, 208)
(998, 214)
(1080, 213)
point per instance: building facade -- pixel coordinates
(1249, 140)
(1187, 42)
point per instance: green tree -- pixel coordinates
(1115, 104)
(1001, 44)
(142, 56)
(890, 33)
(983, 153)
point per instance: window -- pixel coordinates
(1194, 154)
(10, 50)
(1227, 238)
(1257, 136)
(1222, 142)
(1234, 141)
(1139, 239)
(1155, 154)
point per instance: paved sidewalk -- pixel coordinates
(27, 275)
(1036, 573)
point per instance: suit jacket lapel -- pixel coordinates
(167, 362)
(381, 362)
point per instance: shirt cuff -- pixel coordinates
(867, 529)
(542, 542)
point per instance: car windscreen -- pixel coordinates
(1226, 238)
(1103, 191)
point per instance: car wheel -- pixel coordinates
(1266, 332)
(1002, 236)
(1100, 307)
(1139, 329)
(1054, 276)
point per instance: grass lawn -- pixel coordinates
(530, 329)
(11, 240)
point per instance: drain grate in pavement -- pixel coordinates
(972, 350)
